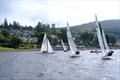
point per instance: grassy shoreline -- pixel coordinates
(18, 49)
(6, 49)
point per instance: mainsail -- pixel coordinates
(50, 49)
(101, 37)
(63, 45)
(70, 40)
(46, 45)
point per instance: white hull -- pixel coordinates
(45, 52)
(106, 57)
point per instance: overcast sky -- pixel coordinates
(29, 12)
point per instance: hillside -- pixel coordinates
(109, 26)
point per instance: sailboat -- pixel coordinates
(46, 46)
(63, 45)
(102, 40)
(71, 42)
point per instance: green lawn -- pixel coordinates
(18, 49)
(6, 49)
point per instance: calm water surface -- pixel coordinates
(59, 66)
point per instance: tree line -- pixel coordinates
(54, 34)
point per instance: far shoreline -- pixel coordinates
(37, 49)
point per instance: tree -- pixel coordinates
(15, 42)
(10, 25)
(39, 39)
(6, 24)
(46, 28)
(87, 37)
(2, 40)
(38, 28)
(1, 26)
(54, 41)
(53, 29)
(5, 33)
(111, 39)
(62, 35)
(28, 28)
(16, 25)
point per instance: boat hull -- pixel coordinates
(106, 58)
(48, 52)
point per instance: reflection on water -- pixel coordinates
(58, 66)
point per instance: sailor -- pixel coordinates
(77, 52)
(91, 51)
(110, 53)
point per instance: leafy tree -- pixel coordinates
(53, 29)
(28, 28)
(16, 25)
(2, 39)
(87, 37)
(39, 38)
(5, 33)
(46, 28)
(54, 41)
(38, 28)
(10, 25)
(6, 24)
(62, 35)
(15, 42)
(111, 39)
(1, 26)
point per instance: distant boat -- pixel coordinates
(46, 46)
(71, 42)
(102, 40)
(63, 45)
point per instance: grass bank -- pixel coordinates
(6, 49)
(18, 49)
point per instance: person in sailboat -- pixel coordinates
(110, 53)
(77, 52)
(95, 51)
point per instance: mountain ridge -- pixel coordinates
(109, 26)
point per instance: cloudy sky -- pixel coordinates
(29, 12)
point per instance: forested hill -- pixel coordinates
(109, 26)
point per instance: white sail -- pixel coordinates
(63, 45)
(44, 44)
(70, 40)
(104, 38)
(50, 49)
(101, 37)
(46, 47)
